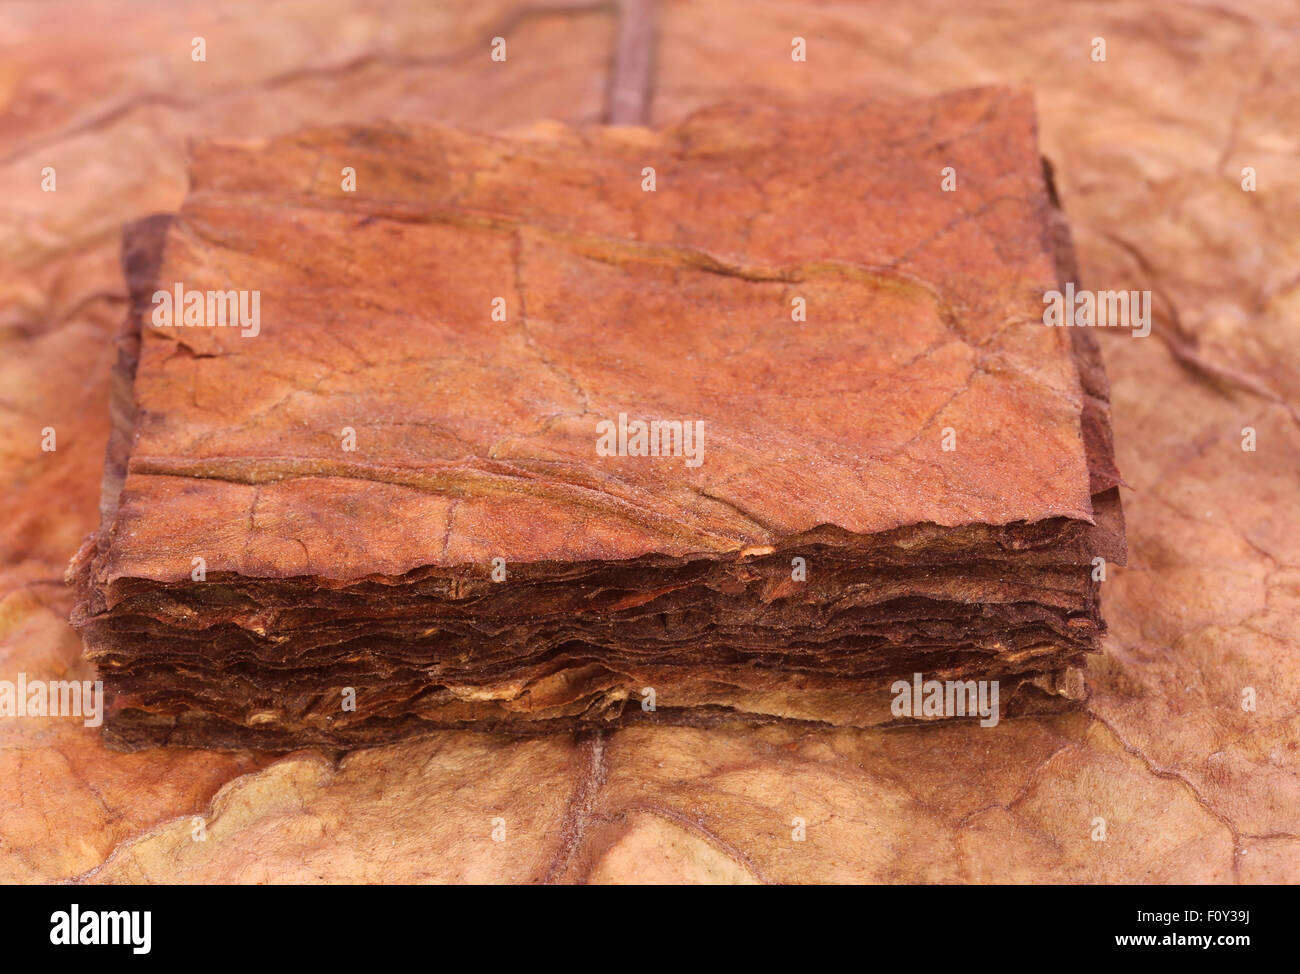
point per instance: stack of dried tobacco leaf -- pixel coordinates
(751, 418)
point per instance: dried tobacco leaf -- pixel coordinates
(413, 475)
(1195, 790)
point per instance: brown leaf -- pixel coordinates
(1147, 149)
